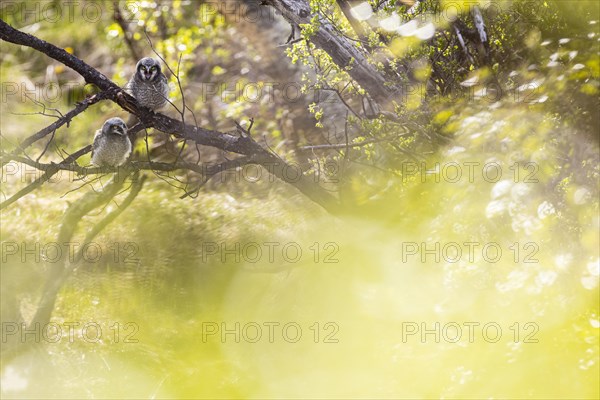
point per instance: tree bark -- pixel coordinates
(342, 51)
(242, 144)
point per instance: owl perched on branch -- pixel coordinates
(111, 146)
(148, 84)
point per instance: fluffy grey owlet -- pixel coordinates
(149, 85)
(111, 146)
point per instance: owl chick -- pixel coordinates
(111, 146)
(149, 85)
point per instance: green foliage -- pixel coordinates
(530, 109)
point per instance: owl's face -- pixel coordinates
(148, 69)
(115, 126)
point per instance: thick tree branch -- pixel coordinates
(360, 31)
(342, 51)
(241, 144)
(59, 272)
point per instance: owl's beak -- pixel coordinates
(119, 130)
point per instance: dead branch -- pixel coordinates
(342, 51)
(50, 171)
(59, 272)
(65, 119)
(238, 144)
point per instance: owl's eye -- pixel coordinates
(153, 69)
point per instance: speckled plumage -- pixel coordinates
(111, 146)
(148, 84)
